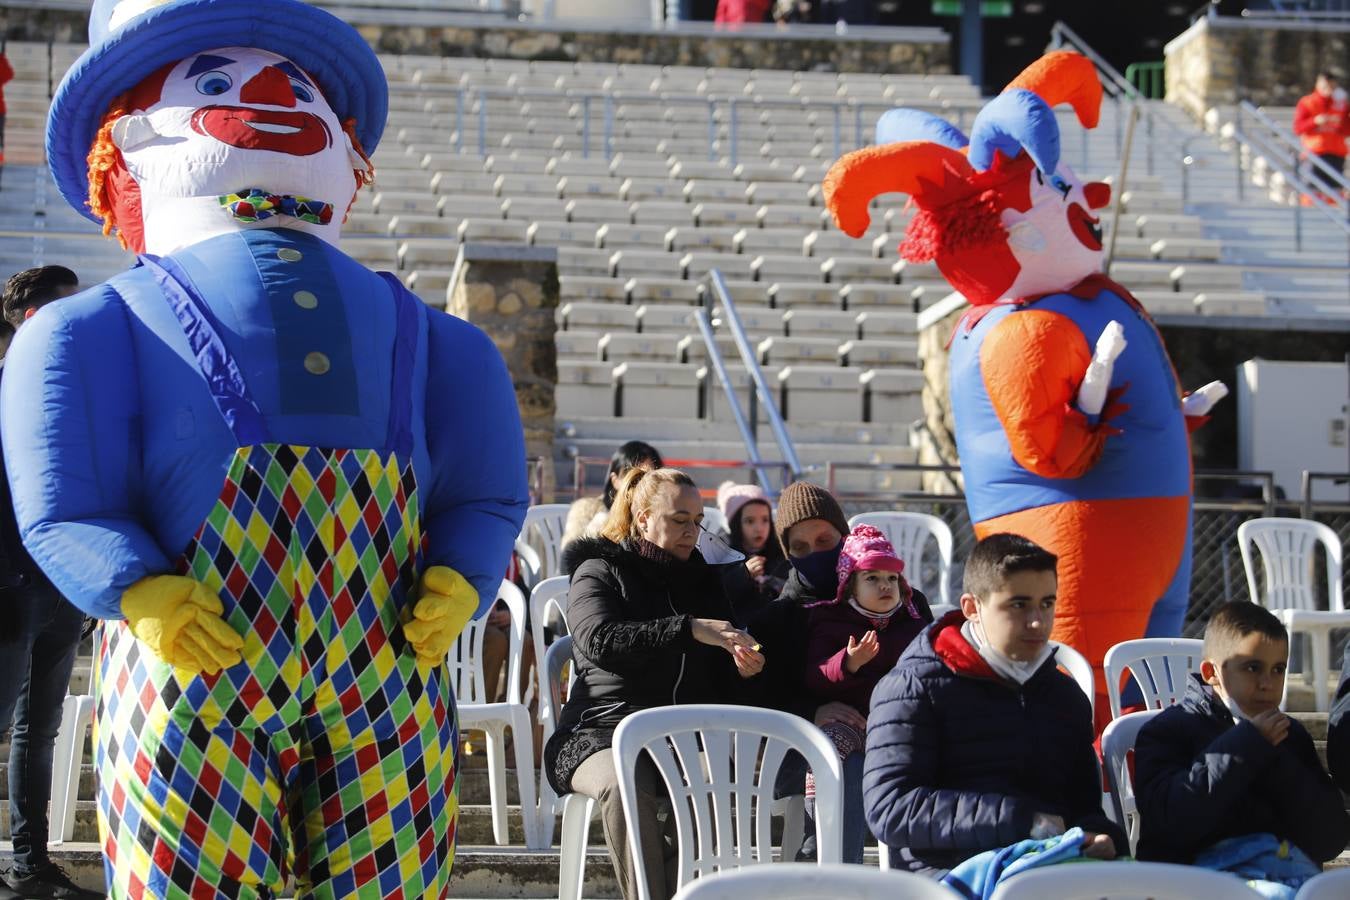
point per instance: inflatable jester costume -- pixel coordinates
(1070, 425)
(283, 481)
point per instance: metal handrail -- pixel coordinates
(1316, 200)
(851, 107)
(742, 425)
(766, 399)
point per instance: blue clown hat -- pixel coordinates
(131, 39)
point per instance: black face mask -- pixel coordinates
(818, 569)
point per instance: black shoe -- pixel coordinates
(51, 881)
(5, 892)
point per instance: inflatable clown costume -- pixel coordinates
(1069, 422)
(284, 483)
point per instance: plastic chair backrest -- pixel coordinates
(1079, 669)
(1117, 743)
(1160, 667)
(556, 672)
(1287, 548)
(1105, 880)
(549, 596)
(719, 764)
(542, 533)
(1333, 885)
(808, 881)
(909, 533)
(465, 663)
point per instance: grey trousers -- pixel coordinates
(598, 779)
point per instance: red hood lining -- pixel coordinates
(955, 651)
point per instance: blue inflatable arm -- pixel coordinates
(71, 496)
(479, 493)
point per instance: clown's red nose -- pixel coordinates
(269, 86)
(1097, 194)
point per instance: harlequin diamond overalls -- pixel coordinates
(325, 754)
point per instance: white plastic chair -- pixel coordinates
(1333, 885)
(719, 759)
(808, 881)
(1160, 667)
(1287, 554)
(549, 596)
(465, 669)
(1079, 669)
(909, 533)
(576, 809)
(1107, 880)
(1118, 741)
(77, 713)
(539, 545)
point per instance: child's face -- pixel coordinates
(1252, 675)
(1017, 617)
(876, 590)
(754, 526)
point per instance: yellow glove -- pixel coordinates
(180, 620)
(447, 602)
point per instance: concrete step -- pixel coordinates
(479, 871)
(475, 824)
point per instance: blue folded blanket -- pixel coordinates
(1271, 867)
(977, 877)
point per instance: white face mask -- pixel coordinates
(230, 119)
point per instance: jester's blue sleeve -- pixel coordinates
(479, 492)
(70, 418)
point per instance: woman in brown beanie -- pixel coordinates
(811, 528)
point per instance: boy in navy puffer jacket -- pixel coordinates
(976, 740)
(1225, 762)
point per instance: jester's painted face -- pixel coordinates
(227, 120)
(1057, 242)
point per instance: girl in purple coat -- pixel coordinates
(856, 638)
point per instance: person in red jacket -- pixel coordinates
(1322, 120)
(6, 74)
(738, 12)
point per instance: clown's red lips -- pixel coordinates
(1085, 227)
(295, 133)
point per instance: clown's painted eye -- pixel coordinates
(214, 83)
(1060, 185)
(302, 91)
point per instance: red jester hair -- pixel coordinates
(963, 214)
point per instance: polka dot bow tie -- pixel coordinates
(255, 205)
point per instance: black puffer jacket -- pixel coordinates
(1200, 778)
(629, 617)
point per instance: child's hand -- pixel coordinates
(861, 652)
(755, 566)
(1273, 725)
(1099, 846)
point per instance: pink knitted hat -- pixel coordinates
(732, 496)
(866, 548)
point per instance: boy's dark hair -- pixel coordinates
(33, 289)
(1000, 555)
(1233, 621)
(1328, 75)
(631, 454)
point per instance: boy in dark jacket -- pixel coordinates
(1338, 730)
(1226, 762)
(976, 740)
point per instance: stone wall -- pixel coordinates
(511, 292)
(1219, 61)
(927, 53)
(873, 50)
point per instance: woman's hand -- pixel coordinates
(1099, 846)
(755, 566)
(834, 711)
(742, 647)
